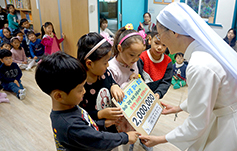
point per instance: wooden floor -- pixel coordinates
(25, 125)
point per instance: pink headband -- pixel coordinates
(141, 33)
(94, 48)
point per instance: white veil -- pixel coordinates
(180, 18)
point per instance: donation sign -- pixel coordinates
(140, 106)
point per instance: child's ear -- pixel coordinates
(149, 40)
(88, 63)
(1, 60)
(119, 47)
(58, 95)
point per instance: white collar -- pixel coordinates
(152, 59)
(178, 65)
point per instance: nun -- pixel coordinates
(212, 83)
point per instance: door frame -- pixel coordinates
(234, 23)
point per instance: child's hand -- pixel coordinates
(108, 123)
(35, 57)
(16, 82)
(117, 93)
(63, 35)
(133, 76)
(51, 35)
(110, 113)
(157, 95)
(175, 78)
(132, 136)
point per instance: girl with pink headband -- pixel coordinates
(94, 53)
(128, 46)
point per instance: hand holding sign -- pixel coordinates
(140, 106)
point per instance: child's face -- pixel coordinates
(131, 55)
(16, 44)
(6, 33)
(49, 29)
(157, 48)
(230, 34)
(7, 61)
(147, 18)
(99, 67)
(6, 46)
(26, 25)
(11, 9)
(20, 35)
(179, 59)
(75, 96)
(32, 37)
(104, 25)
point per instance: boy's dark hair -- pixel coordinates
(17, 32)
(30, 32)
(22, 21)
(178, 54)
(5, 53)
(153, 33)
(8, 6)
(87, 42)
(59, 71)
(102, 20)
(122, 32)
(5, 42)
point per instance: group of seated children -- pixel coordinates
(24, 51)
(92, 81)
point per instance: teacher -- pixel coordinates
(212, 83)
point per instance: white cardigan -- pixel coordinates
(211, 104)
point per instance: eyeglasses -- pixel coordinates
(159, 34)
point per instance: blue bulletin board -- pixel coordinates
(140, 106)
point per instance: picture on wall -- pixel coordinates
(163, 1)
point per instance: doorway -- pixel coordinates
(120, 12)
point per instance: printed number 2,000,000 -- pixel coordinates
(141, 112)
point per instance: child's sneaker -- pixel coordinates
(21, 96)
(28, 69)
(176, 86)
(23, 91)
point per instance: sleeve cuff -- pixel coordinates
(183, 106)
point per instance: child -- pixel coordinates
(7, 34)
(94, 52)
(179, 70)
(104, 29)
(23, 44)
(11, 74)
(49, 39)
(6, 45)
(73, 127)
(12, 18)
(18, 55)
(155, 67)
(128, 46)
(25, 25)
(36, 47)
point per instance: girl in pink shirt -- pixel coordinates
(49, 39)
(19, 56)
